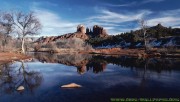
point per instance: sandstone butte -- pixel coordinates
(82, 33)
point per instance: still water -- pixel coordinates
(101, 77)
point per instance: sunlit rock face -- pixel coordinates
(81, 29)
(81, 32)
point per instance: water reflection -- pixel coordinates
(13, 76)
(104, 77)
(98, 63)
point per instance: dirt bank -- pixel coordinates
(119, 51)
(134, 52)
(9, 57)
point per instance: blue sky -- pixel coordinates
(62, 16)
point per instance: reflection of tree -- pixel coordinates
(152, 64)
(155, 64)
(144, 74)
(29, 79)
(11, 77)
(7, 81)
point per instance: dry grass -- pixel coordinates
(58, 50)
(119, 51)
(9, 57)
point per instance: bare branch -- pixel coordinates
(23, 23)
(143, 25)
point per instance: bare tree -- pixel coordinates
(143, 25)
(26, 24)
(6, 27)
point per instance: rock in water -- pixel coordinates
(20, 88)
(71, 85)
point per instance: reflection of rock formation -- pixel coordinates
(96, 66)
(13, 76)
(98, 63)
(67, 59)
(83, 62)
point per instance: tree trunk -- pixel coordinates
(4, 43)
(145, 43)
(3, 46)
(22, 45)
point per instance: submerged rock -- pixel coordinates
(20, 88)
(71, 85)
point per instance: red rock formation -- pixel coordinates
(81, 28)
(98, 31)
(81, 33)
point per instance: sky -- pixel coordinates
(116, 16)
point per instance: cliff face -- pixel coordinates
(82, 33)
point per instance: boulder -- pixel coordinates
(20, 88)
(71, 85)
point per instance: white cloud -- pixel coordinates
(166, 21)
(121, 5)
(117, 22)
(173, 13)
(149, 1)
(52, 23)
(113, 17)
(176, 27)
(42, 3)
(104, 24)
(134, 3)
(114, 22)
(166, 18)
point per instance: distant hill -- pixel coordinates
(158, 33)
